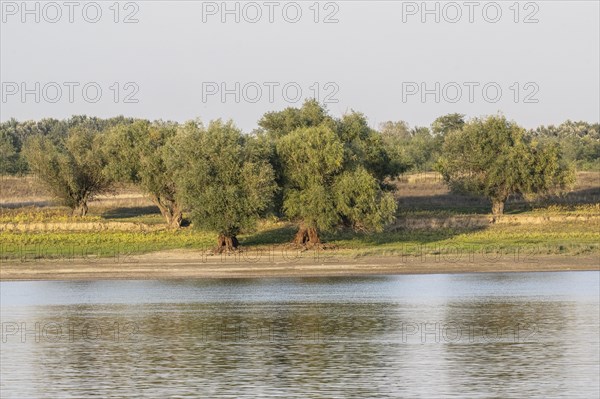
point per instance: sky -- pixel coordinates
(536, 62)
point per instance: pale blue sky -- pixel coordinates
(374, 51)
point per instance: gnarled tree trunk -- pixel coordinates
(174, 217)
(80, 210)
(497, 209)
(307, 236)
(226, 243)
(170, 211)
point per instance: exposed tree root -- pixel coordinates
(226, 244)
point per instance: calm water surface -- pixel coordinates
(533, 335)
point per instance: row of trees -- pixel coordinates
(14, 134)
(419, 148)
(301, 164)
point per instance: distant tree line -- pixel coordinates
(421, 147)
(300, 164)
(14, 134)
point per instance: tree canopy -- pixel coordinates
(332, 172)
(493, 157)
(447, 123)
(136, 153)
(580, 142)
(72, 169)
(222, 178)
(302, 164)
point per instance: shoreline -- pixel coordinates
(190, 265)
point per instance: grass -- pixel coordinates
(426, 194)
(94, 244)
(42, 215)
(550, 238)
(423, 197)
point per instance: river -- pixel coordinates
(533, 335)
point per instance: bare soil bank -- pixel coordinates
(189, 264)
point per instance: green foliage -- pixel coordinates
(311, 157)
(73, 169)
(447, 123)
(361, 202)
(221, 177)
(492, 157)
(278, 124)
(424, 149)
(55, 130)
(332, 174)
(136, 153)
(419, 148)
(328, 172)
(8, 155)
(396, 137)
(580, 142)
(366, 147)
(11, 159)
(399, 130)
(414, 149)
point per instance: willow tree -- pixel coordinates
(135, 153)
(223, 178)
(72, 169)
(277, 124)
(493, 157)
(333, 176)
(280, 123)
(447, 123)
(8, 154)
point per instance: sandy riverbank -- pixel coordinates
(189, 264)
